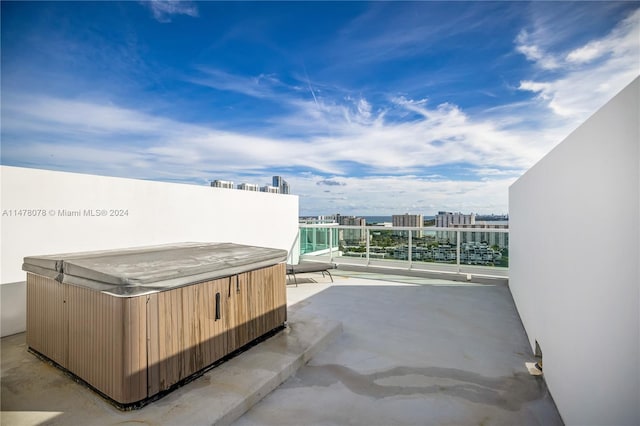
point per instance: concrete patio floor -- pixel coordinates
(413, 350)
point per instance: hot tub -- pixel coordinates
(135, 323)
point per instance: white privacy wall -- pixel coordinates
(157, 213)
(574, 236)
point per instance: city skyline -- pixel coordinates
(437, 219)
(364, 108)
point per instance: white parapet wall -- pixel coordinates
(46, 212)
(574, 222)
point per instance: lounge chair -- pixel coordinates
(304, 267)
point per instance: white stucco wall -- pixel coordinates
(157, 213)
(574, 222)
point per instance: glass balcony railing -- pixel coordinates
(483, 251)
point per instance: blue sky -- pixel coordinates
(364, 108)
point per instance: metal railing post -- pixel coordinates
(458, 250)
(368, 246)
(330, 243)
(409, 257)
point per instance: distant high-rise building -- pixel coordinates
(447, 219)
(407, 220)
(222, 184)
(413, 220)
(317, 219)
(457, 220)
(281, 184)
(271, 189)
(491, 238)
(332, 218)
(353, 236)
(248, 187)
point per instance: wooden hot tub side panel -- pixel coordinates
(107, 343)
(184, 335)
(136, 356)
(98, 337)
(273, 297)
(262, 303)
(47, 324)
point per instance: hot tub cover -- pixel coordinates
(141, 270)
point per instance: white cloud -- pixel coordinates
(487, 171)
(591, 74)
(623, 40)
(35, 113)
(163, 10)
(85, 136)
(261, 86)
(586, 53)
(364, 108)
(535, 53)
(337, 133)
(386, 195)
